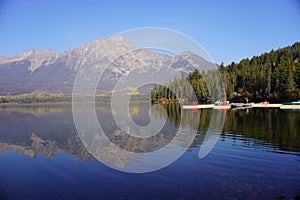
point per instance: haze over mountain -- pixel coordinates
(49, 71)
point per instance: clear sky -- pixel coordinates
(229, 30)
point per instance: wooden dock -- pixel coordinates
(266, 105)
(206, 106)
(222, 107)
(198, 106)
(290, 106)
(254, 105)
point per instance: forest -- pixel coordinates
(272, 77)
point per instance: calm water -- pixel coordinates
(256, 157)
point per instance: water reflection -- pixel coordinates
(45, 130)
(265, 127)
(33, 130)
(255, 127)
(34, 109)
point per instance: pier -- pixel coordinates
(266, 105)
(249, 105)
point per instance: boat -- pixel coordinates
(245, 105)
(222, 105)
(241, 107)
(292, 103)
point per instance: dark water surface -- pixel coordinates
(42, 157)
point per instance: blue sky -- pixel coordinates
(229, 30)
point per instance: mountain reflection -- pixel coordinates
(45, 130)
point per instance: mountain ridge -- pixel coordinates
(50, 71)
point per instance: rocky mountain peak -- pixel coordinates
(36, 58)
(101, 47)
(42, 58)
(19, 57)
(121, 41)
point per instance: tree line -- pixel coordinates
(190, 88)
(39, 96)
(272, 76)
(35, 97)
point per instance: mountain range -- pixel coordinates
(49, 71)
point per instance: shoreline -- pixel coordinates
(63, 103)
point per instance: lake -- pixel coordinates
(256, 156)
